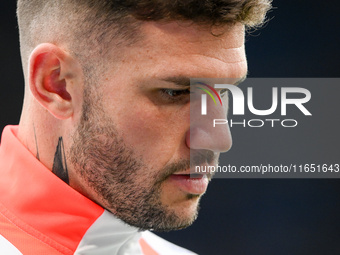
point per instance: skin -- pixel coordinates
(127, 107)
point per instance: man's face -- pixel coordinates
(131, 151)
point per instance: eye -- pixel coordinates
(175, 95)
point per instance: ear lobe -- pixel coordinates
(48, 79)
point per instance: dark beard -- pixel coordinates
(121, 179)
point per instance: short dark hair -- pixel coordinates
(214, 12)
(85, 24)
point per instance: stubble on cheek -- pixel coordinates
(117, 178)
(120, 181)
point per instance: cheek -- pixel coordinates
(140, 127)
(154, 133)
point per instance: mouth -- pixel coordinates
(195, 184)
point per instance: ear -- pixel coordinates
(52, 76)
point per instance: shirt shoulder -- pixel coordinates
(163, 247)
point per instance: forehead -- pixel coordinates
(186, 33)
(180, 48)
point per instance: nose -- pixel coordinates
(210, 131)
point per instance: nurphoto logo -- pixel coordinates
(295, 96)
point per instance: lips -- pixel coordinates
(195, 184)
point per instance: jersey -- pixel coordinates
(40, 214)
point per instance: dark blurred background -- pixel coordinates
(245, 216)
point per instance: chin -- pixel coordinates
(187, 211)
(178, 216)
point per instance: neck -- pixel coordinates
(43, 136)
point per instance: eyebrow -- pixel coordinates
(185, 81)
(180, 80)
